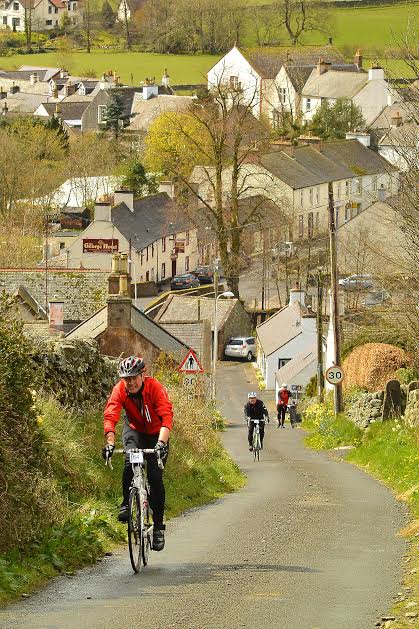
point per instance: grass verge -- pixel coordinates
(87, 495)
(389, 451)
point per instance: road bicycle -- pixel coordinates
(140, 526)
(257, 444)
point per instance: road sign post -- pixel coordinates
(191, 368)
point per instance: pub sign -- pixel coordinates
(100, 245)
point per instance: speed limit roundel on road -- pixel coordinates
(334, 375)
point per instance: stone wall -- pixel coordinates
(75, 371)
(82, 291)
(412, 407)
(366, 409)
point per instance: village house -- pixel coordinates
(368, 91)
(297, 372)
(284, 336)
(232, 319)
(271, 79)
(158, 236)
(297, 180)
(43, 14)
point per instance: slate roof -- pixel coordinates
(288, 372)
(333, 84)
(268, 61)
(140, 322)
(24, 103)
(406, 111)
(407, 135)
(153, 217)
(330, 161)
(299, 74)
(67, 110)
(282, 327)
(146, 111)
(185, 308)
(49, 72)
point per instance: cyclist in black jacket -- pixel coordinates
(255, 409)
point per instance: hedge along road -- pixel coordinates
(309, 543)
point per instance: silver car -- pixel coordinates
(241, 347)
(356, 282)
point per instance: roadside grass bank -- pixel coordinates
(389, 451)
(59, 503)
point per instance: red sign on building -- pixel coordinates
(100, 245)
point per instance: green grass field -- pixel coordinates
(370, 28)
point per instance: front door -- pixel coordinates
(173, 268)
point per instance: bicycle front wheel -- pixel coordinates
(135, 530)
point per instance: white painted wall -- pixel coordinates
(301, 379)
(373, 98)
(233, 64)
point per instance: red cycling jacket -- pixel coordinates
(283, 397)
(157, 409)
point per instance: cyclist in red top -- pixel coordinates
(148, 422)
(283, 397)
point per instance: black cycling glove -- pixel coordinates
(161, 448)
(107, 451)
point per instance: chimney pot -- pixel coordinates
(358, 59)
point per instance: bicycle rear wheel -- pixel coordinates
(135, 530)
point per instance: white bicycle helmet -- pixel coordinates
(131, 366)
(251, 394)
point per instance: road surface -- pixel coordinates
(309, 543)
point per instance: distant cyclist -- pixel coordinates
(255, 409)
(282, 405)
(148, 421)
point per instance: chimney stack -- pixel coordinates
(396, 120)
(124, 196)
(34, 78)
(102, 212)
(5, 109)
(119, 300)
(69, 89)
(323, 66)
(56, 314)
(14, 89)
(165, 79)
(2, 94)
(358, 59)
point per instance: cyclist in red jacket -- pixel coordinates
(283, 397)
(148, 421)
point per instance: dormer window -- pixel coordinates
(16, 6)
(234, 82)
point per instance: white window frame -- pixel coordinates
(308, 104)
(100, 110)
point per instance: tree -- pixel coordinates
(220, 135)
(126, 19)
(138, 180)
(107, 16)
(114, 114)
(302, 16)
(333, 121)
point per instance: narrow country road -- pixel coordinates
(309, 543)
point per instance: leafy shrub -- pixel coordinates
(406, 374)
(311, 388)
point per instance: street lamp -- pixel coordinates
(227, 294)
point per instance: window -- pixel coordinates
(357, 186)
(317, 196)
(163, 244)
(337, 217)
(163, 270)
(56, 22)
(48, 22)
(152, 274)
(49, 8)
(282, 93)
(301, 226)
(308, 104)
(338, 190)
(234, 82)
(15, 6)
(16, 21)
(141, 257)
(152, 250)
(317, 221)
(276, 119)
(310, 224)
(186, 263)
(146, 255)
(55, 9)
(374, 183)
(347, 188)
(62, 245)
(301, 198)
(347, 213)
(101, 112)
(74, 6)
(5, 20)
(282, 362)
(147, 276)
(310, 196)
(187, 239)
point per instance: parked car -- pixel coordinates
(205, 274)
(356, 282)
(241, 347)
(186, 280)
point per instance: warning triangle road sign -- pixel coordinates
(190, 364)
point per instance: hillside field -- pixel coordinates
(372, 29)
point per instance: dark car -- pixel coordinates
(205, 274)
(186, 280)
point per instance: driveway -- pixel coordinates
(309, 543)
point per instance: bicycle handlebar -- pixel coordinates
(143, 450)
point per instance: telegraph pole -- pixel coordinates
(46, 264)
(319, 320)
(338, 399)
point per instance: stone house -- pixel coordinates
(297, 180)
(44, 15)
(284, 336)
(158, 236)
(369, 91)
(232, 319)
(120, 329)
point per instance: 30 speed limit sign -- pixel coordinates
(334, 375)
